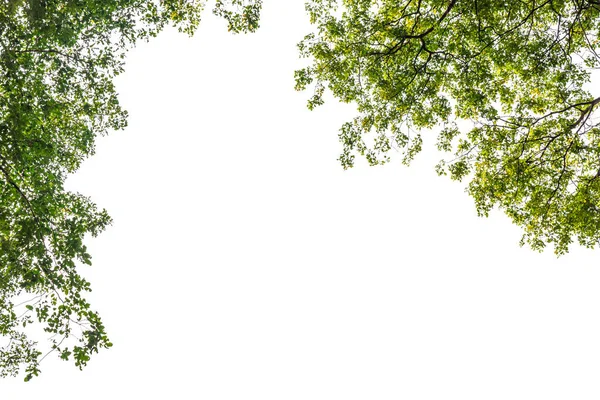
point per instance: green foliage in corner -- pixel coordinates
(58, 59)
(516, 71)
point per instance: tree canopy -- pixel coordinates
(516, 71)
(58, 59)
(504, 81)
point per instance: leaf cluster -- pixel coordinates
(514, 71)
(58, 59)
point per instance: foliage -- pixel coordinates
(515, 70)
(241, 15)
(58, 59)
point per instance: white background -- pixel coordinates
(244, 263)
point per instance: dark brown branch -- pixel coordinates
(18, 189)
